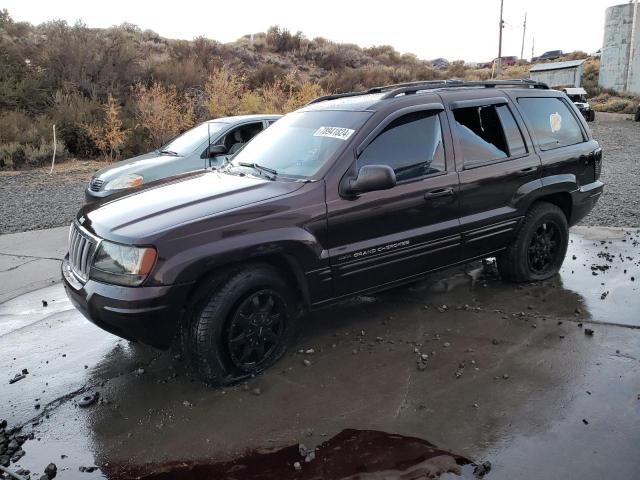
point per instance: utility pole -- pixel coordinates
(499, 60)
(533, 45)
(524, 31)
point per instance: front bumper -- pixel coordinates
(584, 199)
(150, 315)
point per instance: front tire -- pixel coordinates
(539, 248)
(243, 326)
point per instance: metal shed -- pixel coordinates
(558, 74)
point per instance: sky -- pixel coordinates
(461, 29)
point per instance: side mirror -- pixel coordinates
(370, 178)
(215, 150)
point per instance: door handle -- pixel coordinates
(440, 192)
(527, 171)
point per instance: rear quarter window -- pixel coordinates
(554, 125)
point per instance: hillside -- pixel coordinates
(119, 91)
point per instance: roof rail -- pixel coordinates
(408, 88)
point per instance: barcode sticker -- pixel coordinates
(334, 132)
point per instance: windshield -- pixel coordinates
(192, 139)
(299, 144)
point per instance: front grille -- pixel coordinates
(96, 184)
(82, 249)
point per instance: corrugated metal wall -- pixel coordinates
(614, 61)
(566, 77)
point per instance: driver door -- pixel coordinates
(382, 237)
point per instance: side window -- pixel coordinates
(411, 145)
(553, 124)
(239, 136)
(481, 135)
(515, 141)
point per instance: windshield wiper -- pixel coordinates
(168, 152)
(260, 168)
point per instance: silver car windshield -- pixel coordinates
(190, 140)
(301, 143)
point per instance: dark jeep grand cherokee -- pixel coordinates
(352, 193)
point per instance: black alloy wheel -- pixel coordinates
(256, 329)
(544, 248)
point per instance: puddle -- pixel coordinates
(29, 309)
(352, 454)
(599, 266)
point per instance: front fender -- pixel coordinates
(296, 247)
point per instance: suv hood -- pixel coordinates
(138, 165)
(137, 217)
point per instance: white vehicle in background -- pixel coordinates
(578, 96)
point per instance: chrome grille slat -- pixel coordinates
(74, 250)
(82, 249)
(96, 184)
(84, 256)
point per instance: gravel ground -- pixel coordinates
(34, 199)
(620, 202)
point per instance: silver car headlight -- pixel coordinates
(129, 180)
(122, 264)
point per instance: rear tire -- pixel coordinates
(539, 248)
(243, 326)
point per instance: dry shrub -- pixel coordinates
(161, 112)
(615, 104)
(15, 126)
(303, 94)
(223, 91)
(515, 71)
(274, 96)
(457, 69)
(16, 155)
(70, 112)
(265, 75)
(108, 136)
(282, 40)
(250, 102)
(183, 73)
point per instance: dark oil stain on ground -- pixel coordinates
(352, 454)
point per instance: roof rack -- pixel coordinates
(409, 88)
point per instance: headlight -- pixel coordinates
(122, 264)
(124, 181)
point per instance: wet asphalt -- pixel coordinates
(541, 380)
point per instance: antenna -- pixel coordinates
(207, 160)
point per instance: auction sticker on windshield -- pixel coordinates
(334, 132)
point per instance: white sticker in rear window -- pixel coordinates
(555, 120)
(334, 132)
